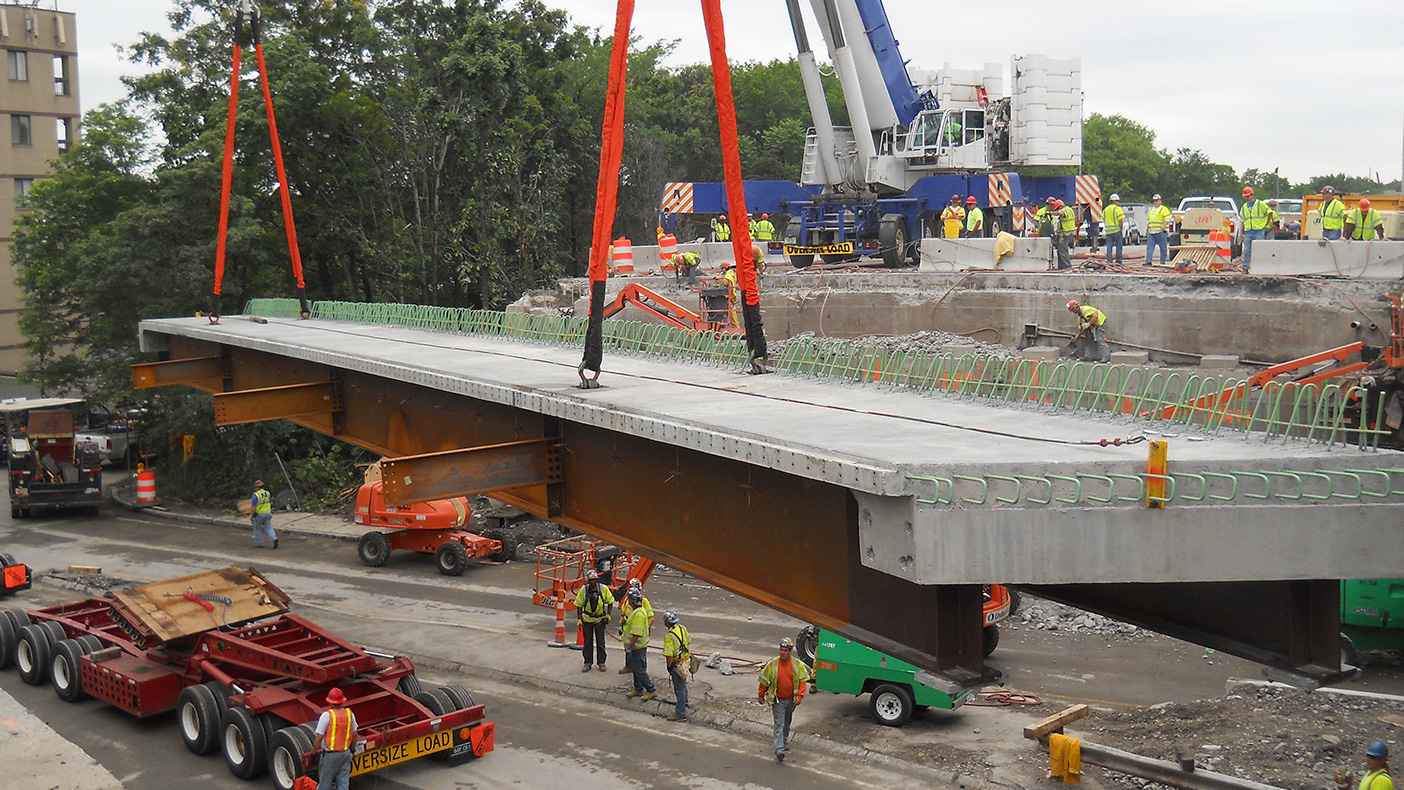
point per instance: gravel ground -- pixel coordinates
(920, 341)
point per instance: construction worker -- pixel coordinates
(723, 229)
(1377, 768)
(336, 741)
(1113, 223)
(626, 607)
(1158, 224)
(677, 651)
(1332, 214)
(1094, 209)
(1067, 232)
(765, 229)
(974, 218)
(1254, 214)
(1091, 339)
(688, 265)
(262, 516)
(1274, 219)
(594, 602)
(733, 292)
(636, 629)
(952, 218)
(783, 681)
(953, 131)
(1361, 224)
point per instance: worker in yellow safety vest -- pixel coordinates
(677, 651)
(952, 218)
(1254, 214)
(1332, 214)
(1158, 224)
(974, 218)
(733, 292)
(594, 601)
(783, 681)
(1091, 340)
(687, 264)
(1363, 223)
(723, 229)
(1113, 226)
(626, 608)
(1066, 218)
(336, 742)
(1274, 219)
(1377, 768)
(636, 628)
(262, 516)
(764, 230)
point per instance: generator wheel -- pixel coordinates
(505, 554)
(244, 743)
(9, 638)
(66, 670)
(32, 655)
(991, 637)
(198, 715)
(285, 750)
(1347, 651)
(373, 549)
(891, 705)
(459, 696)
(410, 686)
(451, 558)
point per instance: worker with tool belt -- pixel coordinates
(1332, 213)
(626, 607)
(952, 218)
(636, 629)
(677, 651)
(1254, 214)
(1158, 224)
(974, 218)
(1091, 340)
(783, 681)
(1363, 223)
(336, 741)
(1113, 223)
(263, 516)
(594, 602)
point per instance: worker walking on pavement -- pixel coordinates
(974, 219)
(595, 604)
(1113, 223)
(1363, 223)
(1091, 340)
(677, 652)
(1158, 224)
(1332, 214)
(626, 607)
(783, 681)
(336, 741)
(1254, 214)
(952, 218)
(263, 516)
(636, 629)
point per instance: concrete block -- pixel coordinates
(1130, 358)
(1219, 362)
(1043, 353)
(1353, 259)
(959, 349)
(958, 255)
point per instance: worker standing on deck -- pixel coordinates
(974, 218)
(1158, 224)
(336, 740)
(677, 651)
(594, 602)
(1332, 214)
(723, 229)
(1254, 214)
(1091, 337)
(1066, 233)
(1363, 223)
(1113, 223)
(733, 293)
(765, 229)
(952, 218)
(626, 608)
(636, 629)
(783, 681)
(263, 516)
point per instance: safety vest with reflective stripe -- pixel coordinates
(636, 626)
(1113, 218)
(1372, 780)
(723, 231)
(339, 729)
(768, 674)
(1364, 225)
(594, 608)
(765, 231)
(1333, 215)
(1067, 220)
(677, 644)
(1091, 316)
(1159, 215)
(1254, 214)
(262, 501)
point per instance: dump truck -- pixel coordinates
(245, 676)
(49, 467)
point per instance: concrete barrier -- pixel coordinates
(711, 252)
(958, 255)
(1356, 259)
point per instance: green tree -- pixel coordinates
(1123, 154)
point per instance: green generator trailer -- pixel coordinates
(1372, 616)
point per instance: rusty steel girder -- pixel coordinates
(471, 471)
(179, 371)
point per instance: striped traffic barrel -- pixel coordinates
(667, 248)
(146, 487)
(623, 256)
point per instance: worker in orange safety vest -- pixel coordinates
(336, 741)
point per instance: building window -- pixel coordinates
(22, 187)
(61, 75)
(20, 130)
(19, 65)
(63, 131)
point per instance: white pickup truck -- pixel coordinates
(116, 435)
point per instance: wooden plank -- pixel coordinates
(85, 568)
(164, 609)
(1397, 721)
(1056, 722)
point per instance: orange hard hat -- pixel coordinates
(765, 216)
(1364, 204)
(1072, 305)
(1247, 191)
(1057, 204)
(971, 200)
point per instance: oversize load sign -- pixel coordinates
(401, 752)
(842, 248)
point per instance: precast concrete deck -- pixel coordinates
(915, 491)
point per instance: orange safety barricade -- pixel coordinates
(623, 256)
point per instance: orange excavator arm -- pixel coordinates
(1258, 380)
(656, 305)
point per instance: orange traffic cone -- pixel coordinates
(579, 636)
(560, 621)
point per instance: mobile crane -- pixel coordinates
(916, 138)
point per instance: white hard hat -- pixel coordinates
(1156, 196)
(1115, 196)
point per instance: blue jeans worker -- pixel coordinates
(263, 516)
(636, 644)
(1114, 225)
(1091, 332)
(336, 741)
(1332, 214)
(677, 651)
(783, 681)
(1257, 217)
(1158, 223)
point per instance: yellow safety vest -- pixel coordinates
(765, 230)
(677, 644)
(1067, 220)
(338, 735)
(637, 625)
(1255, 215)
(723, 232)
(1333, 215)
(974, 220)
(1113, 218)
(1378, 779)
(952, 217)
(1364, 225)
(1159, 215)
(263, 501)
(1091, 316)
(594, 608)
(769, 673)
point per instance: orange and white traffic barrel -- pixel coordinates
(667, 248)
(146, 487)
(623, 256)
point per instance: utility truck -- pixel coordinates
(49, 467)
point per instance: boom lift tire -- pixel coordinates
(244, 743)
(892, 240)
(198, 714)
(66, 670)
(6, 560)
(459, 696)
(991, 638)
(451, 559)
(33, 654)
(499, 556)
(285, 750)
(373, 549)
(410, 686)
(891, 705)
(9, 638)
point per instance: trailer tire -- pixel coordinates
(221, 696)
(9, 638)
(6, 560)
(32, 655)
(373, 549)
(285, 750)
(459, 696)
(436, 701)
(451, 558)
(66, 670)
(90, 643)
(17, 618)
(410, 686)
(54, 631)
(198, 717)
(991, 639)
(244, 744)
(891, 705)
(506, 553)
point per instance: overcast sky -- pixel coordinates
(1307, 87)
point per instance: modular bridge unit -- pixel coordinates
(872, 495)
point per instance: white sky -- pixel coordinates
(1307, 87)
